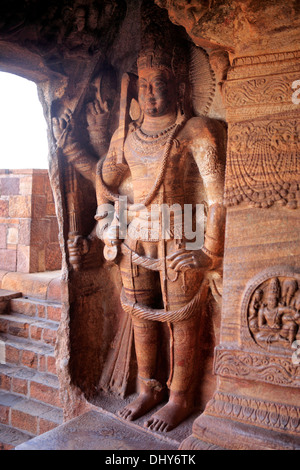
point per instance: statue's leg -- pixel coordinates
(141, 286)
(183, 351)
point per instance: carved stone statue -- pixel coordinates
(273, 313)
(164, 279)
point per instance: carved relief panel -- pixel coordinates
(264, 133)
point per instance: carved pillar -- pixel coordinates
(256, 404)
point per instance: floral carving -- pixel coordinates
(254, 366)
(257, 412)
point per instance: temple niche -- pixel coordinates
(171, 318)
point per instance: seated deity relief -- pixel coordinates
(274, 313)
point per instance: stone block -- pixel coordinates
(23, 259)
(52, 257)
(8, 260)
(2, 236)
(9, 186)
(12, 235)
(20, 206)
(26, 185)
(24, 232)
(38, 184)
(38, 206)
(4, 208)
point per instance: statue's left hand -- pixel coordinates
(183, 260)
(97, 115)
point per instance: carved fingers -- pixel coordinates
(97, 113)
(182, 260)
(78, 245)
(61, 124)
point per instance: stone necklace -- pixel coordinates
(154, 142)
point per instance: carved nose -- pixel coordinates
(149, 90)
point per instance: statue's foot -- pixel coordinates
(141, 405)
(168, 417)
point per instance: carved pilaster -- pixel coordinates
(256, 404)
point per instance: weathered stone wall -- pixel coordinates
(28, 224)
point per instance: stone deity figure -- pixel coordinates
(163, 279)
(157, 153)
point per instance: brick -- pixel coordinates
(43, 364)
(23, 259)
(53, 257)
(45, 394)
(4, 414)
(20, 386)
(50, 209)
(20, 206)
(49, 336)
(51, 365)
(8, 260)
(5, 382)
(24, 421)
(36, 332)
(41, 260)
(40, 232)
(9, 186)
(38, 184)
(3, 236)
(41, 311)
(30, 359)
(12, 235)
(18, 329)
(24, 306)
(4, 208)
(4, 324)
(38, 206)
(12, 355)
(26, 185)
(54, 313)
(45, 426)
(24, 232)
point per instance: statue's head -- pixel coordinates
(157, 86)
(273, 293)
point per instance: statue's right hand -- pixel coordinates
(60, 124)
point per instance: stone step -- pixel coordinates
(25, 352)
(5, 298)
(44, 286)
(36, 329)
(36, 308)
(30, 383)
(28, 415)
(11, 437)
(96, 430)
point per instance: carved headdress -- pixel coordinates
(162, 43)
(166, 46)
(274, 288)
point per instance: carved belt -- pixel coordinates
(143, 312)
(149, 263)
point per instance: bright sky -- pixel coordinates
(23, 129)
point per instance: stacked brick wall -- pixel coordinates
(28, 224)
